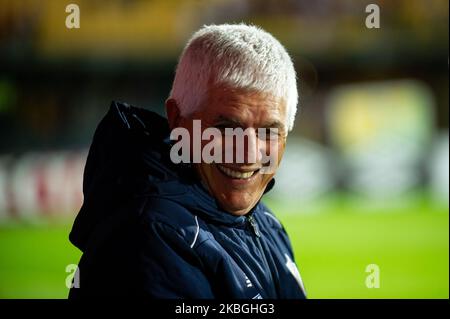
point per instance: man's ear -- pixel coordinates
(173, 113)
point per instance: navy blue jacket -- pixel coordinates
(148, 228)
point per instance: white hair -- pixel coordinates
(238, 55)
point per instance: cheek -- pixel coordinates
(281, 148)
(213, 177)
(208, 172)
(271, 153)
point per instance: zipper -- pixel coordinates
(254, 226)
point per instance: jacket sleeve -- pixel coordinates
(168, 266)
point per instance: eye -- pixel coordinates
(274, 136)
(225, 124)
(269, 134)
(219, 126)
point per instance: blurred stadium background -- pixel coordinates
(365, 179)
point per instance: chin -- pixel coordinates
(236, 204)
(236, 196)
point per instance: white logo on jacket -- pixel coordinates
(294, 271)
(248, 283)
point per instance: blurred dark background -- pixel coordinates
(365, 177)
(56, 83)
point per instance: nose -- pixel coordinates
(252, 154)
(241, 147)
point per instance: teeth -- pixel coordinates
(235, 174)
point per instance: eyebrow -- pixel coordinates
(226, 121)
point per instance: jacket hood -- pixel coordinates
(130, 157)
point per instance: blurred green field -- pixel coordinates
(333, 245)
(411, 249)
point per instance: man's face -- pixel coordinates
(238, 186)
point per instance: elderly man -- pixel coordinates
(157, 226)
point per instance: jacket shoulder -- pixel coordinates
(171, 216)
(268, 217)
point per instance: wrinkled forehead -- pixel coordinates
(246, 107)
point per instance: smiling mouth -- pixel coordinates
(236, 174)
